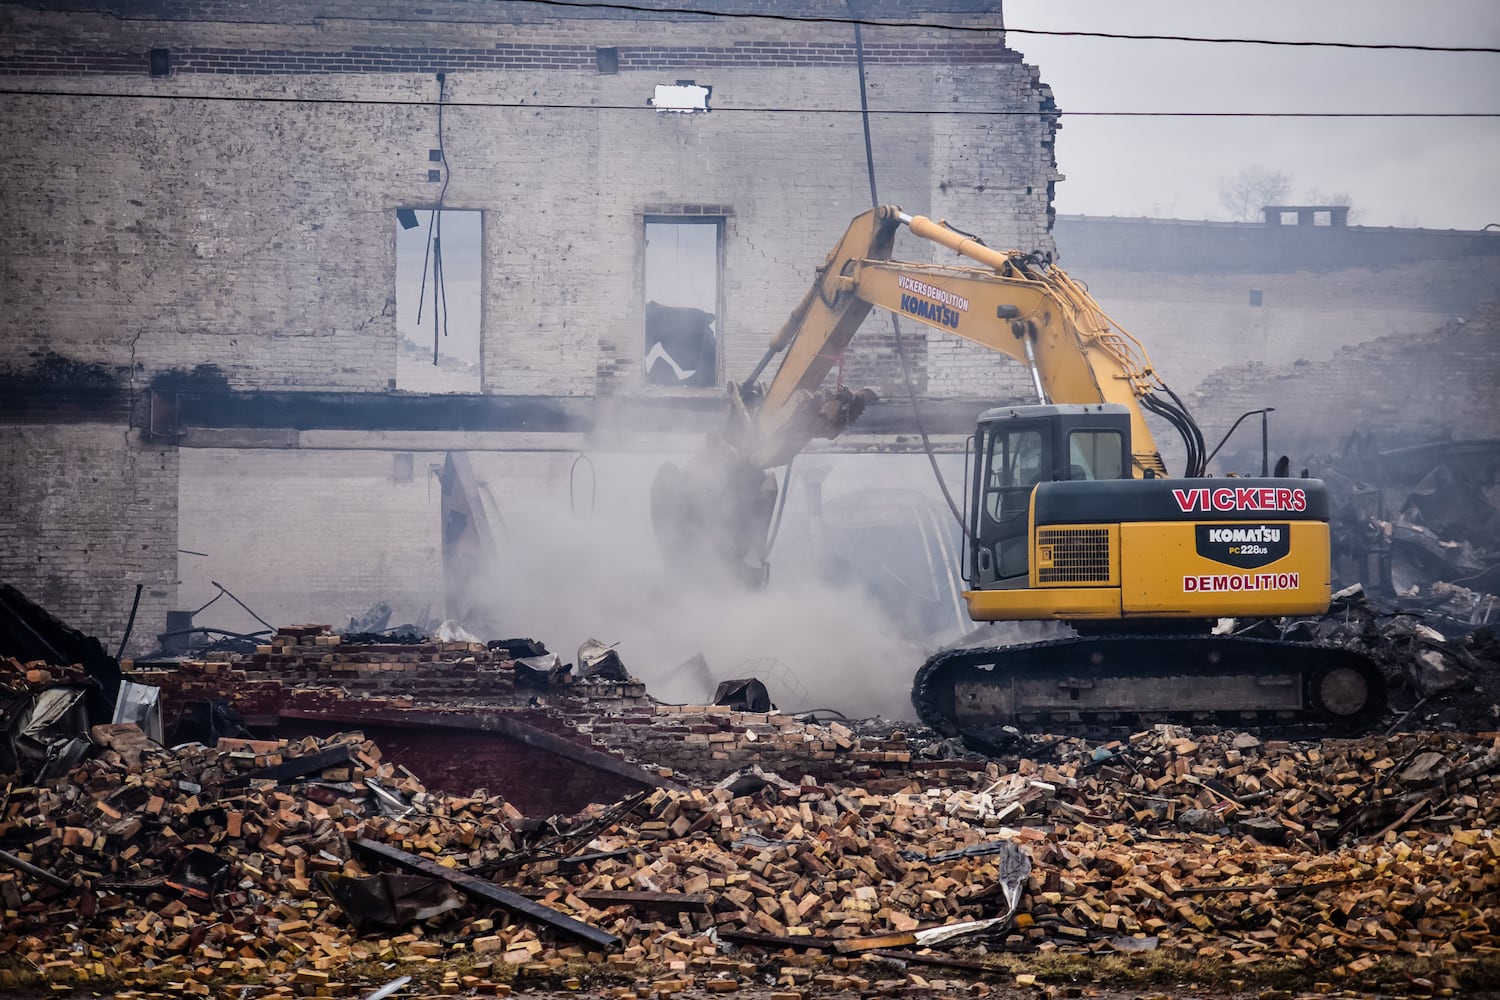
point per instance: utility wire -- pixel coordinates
(1114, 36)
(926, 112)
(911, 391)
(931, 25)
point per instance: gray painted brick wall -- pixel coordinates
(239, 212)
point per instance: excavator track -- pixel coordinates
(1093, 684)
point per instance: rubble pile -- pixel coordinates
(1192, 841)
(1441, 672)
(312, 669)
(303, 662)
(206, 861)
(708, 742)
(265, 866)
(1437, 679)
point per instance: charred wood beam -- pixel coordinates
(297, 767)
(30, 869)
(778, 940)
(372, 411)
(488, 892)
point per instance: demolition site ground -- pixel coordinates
(346, 815)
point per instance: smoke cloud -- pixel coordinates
(579, 561)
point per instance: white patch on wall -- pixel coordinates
(684, 96)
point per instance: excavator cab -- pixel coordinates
(1016, 448)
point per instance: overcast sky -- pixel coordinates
(1435, 173)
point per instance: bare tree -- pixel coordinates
(1317, 197)
(1252, 189)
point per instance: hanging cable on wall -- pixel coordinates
(587, 463)
(434, 250)
(911, 392)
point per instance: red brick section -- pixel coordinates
(415, 699)
(453, 715)
(501, 56)
(535, 781)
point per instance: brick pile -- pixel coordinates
(1343, 855)
(707, 742)
(310, 658)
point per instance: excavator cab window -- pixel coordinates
(1095, 455)
(1019, 457)
(1019, 448)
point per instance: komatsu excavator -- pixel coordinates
(1070, 515)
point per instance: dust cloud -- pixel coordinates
(563, 574)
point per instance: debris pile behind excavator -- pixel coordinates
(1416, 539)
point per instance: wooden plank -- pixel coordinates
(778, 940)
(847, 945)
(298, 766)
(488, 892)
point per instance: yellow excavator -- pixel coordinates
(1069, 513)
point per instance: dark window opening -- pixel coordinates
(682, 301)
(608, 60)
(1255, 297)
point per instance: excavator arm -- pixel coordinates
(1003, 301)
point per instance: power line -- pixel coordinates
(1114, 36)
(639, 108)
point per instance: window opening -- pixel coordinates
(454, 304)
(682, 301)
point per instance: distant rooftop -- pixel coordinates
(1195, 246)
(1307, 215)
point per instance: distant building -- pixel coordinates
(1332, 323)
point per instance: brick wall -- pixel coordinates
(511, 11)
(239, 212)
(1402, 389)
(501, 56)
(87, 511)
(254, 231)
(308, 535)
